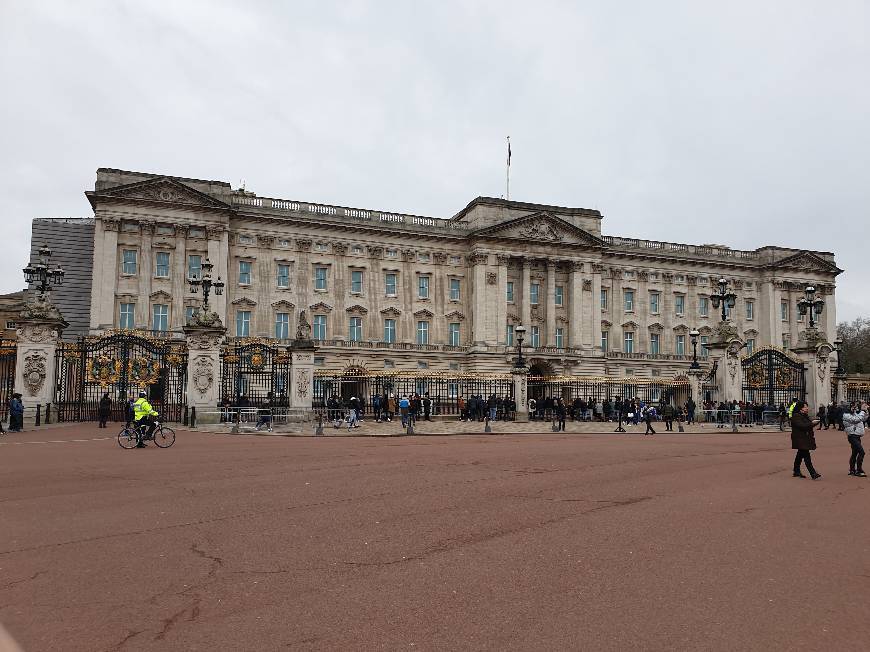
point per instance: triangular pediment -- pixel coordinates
(806, 261)
(541, 227)
(245, 302)
(164, 190)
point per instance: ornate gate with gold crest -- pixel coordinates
(773, 376)
(120, 364)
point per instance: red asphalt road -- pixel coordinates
(604, 542)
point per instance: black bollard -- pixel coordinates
(318, 431)
(184, 418)
(38, 409)
(193, 417)
(487, 427)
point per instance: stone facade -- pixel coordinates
(385, 290)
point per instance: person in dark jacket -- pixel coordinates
(105, 409)
(854, 421)
(649, 414)
(16, 413)
(668, 416)
(561, 409)
(803, 440)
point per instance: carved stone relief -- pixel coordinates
(203, 375)
(34, 372)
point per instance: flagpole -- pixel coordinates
(508, 178)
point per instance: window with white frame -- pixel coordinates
(282, 325)
(560, 295)
(319, 327)
(320, 278)
(423, 287)
(750, 310)
(534, 292)
(128, 264)
(654, 343)
(246, 239)
(680, 345)
(194, 266)
(389, 330)
(454, 289)
(628, 342)
(783, 310)
(160, 317)
(453, 333)
(704, 306)
(510, 292)
(560, 338)
(188, 314)
(320, 246)
(704, 340)
(126, 318)
(603, 299)
(390, 279)
(750, 346)
(680, 304)
(628, 296)
(244, 272)
(161, 264)
(509, 335)
(786, 340)
(392, 253)
(355, 329)
(654, 302)
(422, 332)
(605, 340)
(243, 323)
(283, 276)
(536, 336)
(356, 281)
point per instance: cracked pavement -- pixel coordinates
(547, 541)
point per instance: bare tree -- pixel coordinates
(855, 353)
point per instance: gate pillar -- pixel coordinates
(204, 369)
(40, 326)
(814, 350)
(520, 378)
(725, 347)
(695, 389)
(302, 368)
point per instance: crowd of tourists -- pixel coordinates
(851, 418)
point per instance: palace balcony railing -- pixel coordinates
(677, 248)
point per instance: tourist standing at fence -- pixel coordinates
(105, 409)
(822, 416)
(404, 408)
(690, 411)
(668, 416)
(376, 407)
(16, 413)
(854, 421)
(427, 406)
(561, 410)
(803, 439)
(352, 413)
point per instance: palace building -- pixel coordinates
(399, 291)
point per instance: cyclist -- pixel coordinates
(143, 415)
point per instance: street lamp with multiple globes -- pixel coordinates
(207, 284)
(693, 334)
(723, 297)
(41, 274)
(810, 304)
(520, 332)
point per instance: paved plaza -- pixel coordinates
(542, 541)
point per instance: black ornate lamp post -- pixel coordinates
(520, 335)
(207, 284)
(723, 297)
(693, 334)
(41, 273)
(838, 347)
(810, 304)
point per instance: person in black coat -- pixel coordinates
(803, 440)
(561, 410)
(105, 409)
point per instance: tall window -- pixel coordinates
(560, 295)
(283, 276)
(605, 340)
(282, 326)
(160, 321)
(750, 310)
(389, 330)
(243, 323)
(628, 295)
(422, 332)
(453, 330)
(355, 330)
(390, 284)
(509, 335)
(534, 292)
(126, 319)
(194, 266)
(128, 265)
(560, 338)
(188, 314)
(603, 299)
(680, 304)
(510, 292)
(319, 327)
(536, 336)
(704, 306)
(654, 298)
(320, 278)
(654, 343)
(786, 340)
(244, 272)
(750, 346)
(356, 281)
(628, 342)
(704, 350)
(783, 310)
(680, 348)
(454, 289)
(161, 264)
(423, 287)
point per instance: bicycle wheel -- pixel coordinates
(127, 438)
(164, 437)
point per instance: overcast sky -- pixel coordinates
(739, 123)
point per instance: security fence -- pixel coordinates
(8, 353)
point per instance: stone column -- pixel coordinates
(520, 377)
(501, 304)
(218, 254)
(526, 312)
(302, 377)
(205, 334)
(105, 274)
(551, 304)
(596, 308)
(695, 385)
(815, 352)
(40, 326)
(375, 293)
(146, 274)
(576, 299)
(725, 349)
(478, 261)
(180, 286)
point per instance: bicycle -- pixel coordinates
(129, 437)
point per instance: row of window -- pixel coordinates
(628, 303)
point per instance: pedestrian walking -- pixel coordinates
(561, 410)
(668, 416)
(690, 411)
(648, 415)
(854, 421)
(105, 409)
(803, 439)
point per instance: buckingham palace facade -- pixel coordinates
(399, 291)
